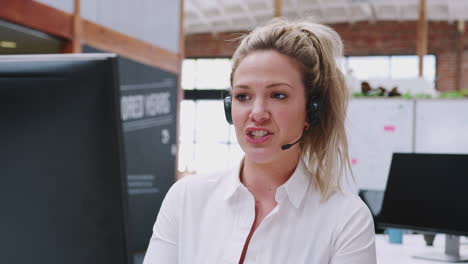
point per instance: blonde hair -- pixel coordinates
(316, 47)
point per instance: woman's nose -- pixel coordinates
(259, 111)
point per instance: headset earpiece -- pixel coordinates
(313, 111)
(227, 108)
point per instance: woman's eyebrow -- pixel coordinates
(278, 84)
(243, 86)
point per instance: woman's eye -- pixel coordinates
(279, 95)
(242, 97)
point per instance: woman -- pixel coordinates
(283, 202)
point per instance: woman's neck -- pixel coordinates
(264, 179)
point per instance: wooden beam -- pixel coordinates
(37, 16)
(106, 39)
(247, 11)
(459, 51)
(278, 6)
(60, 24)
(421, 45)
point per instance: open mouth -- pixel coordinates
(257, 136)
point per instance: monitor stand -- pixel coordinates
(451, 254)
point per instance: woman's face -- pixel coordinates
(268, 107)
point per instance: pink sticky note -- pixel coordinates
(390, 128)
(354, 161)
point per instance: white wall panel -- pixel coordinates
(442, 126)
(376, 129)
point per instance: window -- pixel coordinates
(207, 141)
(390, 67)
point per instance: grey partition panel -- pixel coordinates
(148, 102)
(442, 126)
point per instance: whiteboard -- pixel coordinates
(442, 126)
(376, 128)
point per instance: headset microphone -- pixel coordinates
(285, 147)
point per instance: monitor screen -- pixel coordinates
(427, 192)
(62, 171)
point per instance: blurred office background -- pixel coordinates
(176, 55)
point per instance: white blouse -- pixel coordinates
(206, 220)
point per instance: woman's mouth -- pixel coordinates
(257, 136)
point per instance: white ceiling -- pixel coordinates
(231, 15)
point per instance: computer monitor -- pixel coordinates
(62, 166)
(427, 192)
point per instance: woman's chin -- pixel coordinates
(260, 155)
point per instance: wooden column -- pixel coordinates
(421, 45)
(59, 23)
(74, 44)
(180, 90)
(277, 5)
(459, 51)
(77, 29)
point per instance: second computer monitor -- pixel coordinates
(427, 192)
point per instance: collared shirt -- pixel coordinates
(206, 220)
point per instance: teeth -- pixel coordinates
(259, 133)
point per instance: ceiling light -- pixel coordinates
(7, 44)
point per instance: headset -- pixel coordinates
(313, 110)
(313, 116)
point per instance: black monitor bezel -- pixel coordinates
(114, 80)
(386, 224)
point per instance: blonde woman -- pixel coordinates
(283, 202)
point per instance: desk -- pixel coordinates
(412, 245)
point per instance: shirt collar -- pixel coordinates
(295, 188)
(233, 181)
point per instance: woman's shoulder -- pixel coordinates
(201, 182)
(348, 203)
(349, 211)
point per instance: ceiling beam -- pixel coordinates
(321, 10)
(220, 7)
(295, 7)
(450, 18)
(199, 13)
(247, 11)
(347, 10)
(373, 12)
(398, 10)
